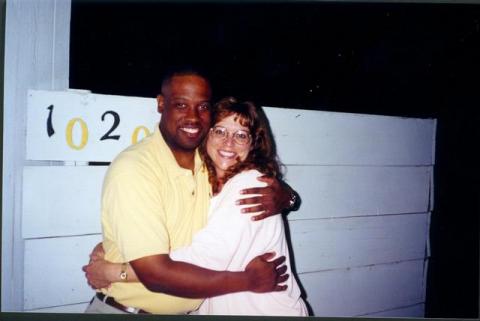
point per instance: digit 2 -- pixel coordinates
(116, 121)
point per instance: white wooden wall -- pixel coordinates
(360, 239)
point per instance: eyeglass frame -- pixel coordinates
(228, 134)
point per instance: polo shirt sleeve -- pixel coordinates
(134, 216)
(229, 234)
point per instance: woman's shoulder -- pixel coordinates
(248, 178)
(242, 180)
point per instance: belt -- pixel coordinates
(111, 302)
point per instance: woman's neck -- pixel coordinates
(219, 185)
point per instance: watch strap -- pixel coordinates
(123, 272)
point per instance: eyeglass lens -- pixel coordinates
(241, 137)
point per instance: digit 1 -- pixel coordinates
(50, 130)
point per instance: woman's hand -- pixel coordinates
(100, 273)
(98, 270)
(273, 199)
(98, 252)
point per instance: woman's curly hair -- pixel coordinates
(262, 155)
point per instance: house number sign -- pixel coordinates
(81, 126)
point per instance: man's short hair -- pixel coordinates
(183, 70)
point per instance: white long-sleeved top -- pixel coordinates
(229, 241)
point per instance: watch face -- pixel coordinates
(123, 275)
(293, 200)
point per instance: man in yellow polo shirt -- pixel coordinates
(155, 197)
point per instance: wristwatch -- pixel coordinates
(123, 272)
(294, 202)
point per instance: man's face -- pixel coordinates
(185, 108)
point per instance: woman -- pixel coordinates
(238, 149)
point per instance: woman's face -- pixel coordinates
(227, 142)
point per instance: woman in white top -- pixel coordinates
(238, 149)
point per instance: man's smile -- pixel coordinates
(191, 131)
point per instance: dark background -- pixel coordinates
(414, 60)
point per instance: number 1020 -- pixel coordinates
(84, 129)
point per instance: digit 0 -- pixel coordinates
(69, 133)
(137, 131)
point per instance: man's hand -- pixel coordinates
(273, 198)
(266, 276)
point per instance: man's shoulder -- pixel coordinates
(136, 160)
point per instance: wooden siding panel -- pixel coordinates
(71, 308)
(332, 138)
(342, 243)
(339, 191)
(62, 200)
(356, 139)
(359, 291)
(414, 311)
(61, 259)
(326, 191)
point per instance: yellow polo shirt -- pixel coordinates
(150, 205)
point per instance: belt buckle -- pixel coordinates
(132, 310)
(104, 299)
(124, 308)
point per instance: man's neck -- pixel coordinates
(185, 159)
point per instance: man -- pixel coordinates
(155, 197)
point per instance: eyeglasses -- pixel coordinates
(240, 137)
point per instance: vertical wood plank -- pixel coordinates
(61, 45)
(30, 63)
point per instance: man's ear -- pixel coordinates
(160, 103)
